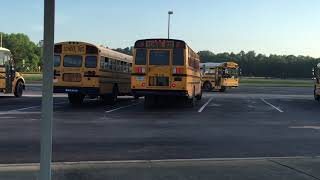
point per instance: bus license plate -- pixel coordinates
(71, 90)
(140, 78)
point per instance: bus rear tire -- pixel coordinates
(111, 99)
(191, 100)
(19, 89)
(316, 97)
(207, 86)
(76, 99)
(223, 89)
(199, 96)
(149, 101)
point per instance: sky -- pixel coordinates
(266, 26)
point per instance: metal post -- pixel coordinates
(169, 14)
(47, 99)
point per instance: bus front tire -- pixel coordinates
(207, 86)
(18, 89)
(76, 99)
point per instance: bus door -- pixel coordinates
(218, 77)
(159, 69)
(8, 77)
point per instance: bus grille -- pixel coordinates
(72, 77)
(158, 81)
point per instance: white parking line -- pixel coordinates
(112, 110)
(278, 109)
(202, 108)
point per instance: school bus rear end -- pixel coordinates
(161, 68)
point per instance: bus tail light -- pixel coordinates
(177, 70)
(141, 70)
(173, 85)
(143, 84)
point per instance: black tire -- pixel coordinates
(191, 100)
(76, 99)
(111, 99)
(18, 92)
(316, 97)
(149, 101)
(199, 96)
(223, 89)
(207, 86)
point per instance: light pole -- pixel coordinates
(47, 100)
(169, 14)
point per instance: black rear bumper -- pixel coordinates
(146, 92)
(76, 90)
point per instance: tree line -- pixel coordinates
(27, 57)
(260, 65)
(26, 54)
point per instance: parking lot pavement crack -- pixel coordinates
(294, 169)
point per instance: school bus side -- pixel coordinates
(102, 73)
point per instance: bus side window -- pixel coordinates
(106, 63)
(101, 62)
(130, 67)
(121, 66)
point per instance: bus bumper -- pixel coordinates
(145, 92)
(76, 90)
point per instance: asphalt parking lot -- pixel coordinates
(241, 123)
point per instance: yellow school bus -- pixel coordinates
(165, 67)
(10, 80)
(219, 76)
(86, 70)
(316, 72)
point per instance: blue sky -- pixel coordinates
(265, 26)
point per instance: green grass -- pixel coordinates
(277, 82)
(32, 77)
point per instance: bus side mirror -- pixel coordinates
(240, 72)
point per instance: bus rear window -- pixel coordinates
(141, 56)
(72, 61)
(159, 57)
(91, 62)
(178, 56)
(57, 60)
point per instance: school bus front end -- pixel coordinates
(160, 69)
(230, 75)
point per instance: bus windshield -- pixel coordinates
(72, 61)
(1, 59)
(159, 57)
(231, 72)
